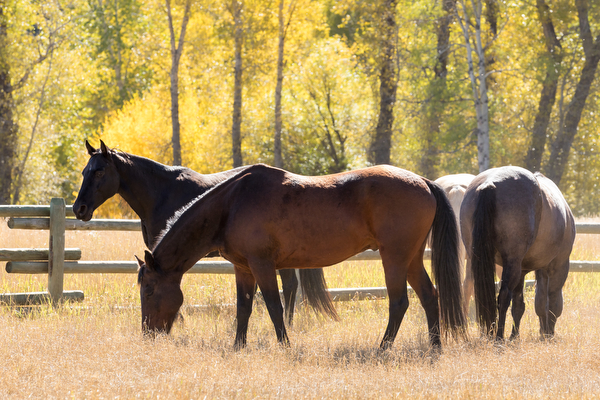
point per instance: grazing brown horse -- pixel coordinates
(156, 191)
(520, 221)
(263, 219)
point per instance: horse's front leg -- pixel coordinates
(266, 277)
(246, 286)
(556, 282)
(548, 295)
(468, 287)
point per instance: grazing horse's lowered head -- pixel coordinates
(160, 303)
(100, 182)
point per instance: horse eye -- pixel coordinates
(148, 291)
(99, 174)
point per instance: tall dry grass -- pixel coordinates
(95, 350)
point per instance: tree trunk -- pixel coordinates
(434, 108)
(277, 156)
(483, 120)
(478, 82)
(176, 52)
(562, 144)
(8, 128)
(533, 160)
(491, 15)
(382, 142)
(236, 129)
(564, 139)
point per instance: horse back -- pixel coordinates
(532, 220)
(302, 221)
(517, 206)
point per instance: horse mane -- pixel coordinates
(216, 188)
(129, 158)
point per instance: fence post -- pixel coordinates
(56, 256)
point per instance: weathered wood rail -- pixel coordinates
(57, 260)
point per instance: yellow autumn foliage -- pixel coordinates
(143, 127)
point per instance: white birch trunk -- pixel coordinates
(478, 83)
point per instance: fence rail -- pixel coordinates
(56, 261)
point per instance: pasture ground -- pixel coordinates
(95, 350)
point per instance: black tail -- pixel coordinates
(315, 290)
(482, 260)
(445, 263)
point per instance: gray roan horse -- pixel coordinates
(155, 191)
(263, 219)
(520, 221)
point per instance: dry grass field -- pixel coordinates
(95, 350)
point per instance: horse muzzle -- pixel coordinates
(83, 212)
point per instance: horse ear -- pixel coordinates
(140, 262)
(149, 260)
(89, 148)
(104, 149)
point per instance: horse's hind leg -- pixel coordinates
(395, 280)
(421, 284)
(289, 283)
(511, 274)
(518, 307)
(246, 286)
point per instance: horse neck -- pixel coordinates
(144, 183)
(189, 239)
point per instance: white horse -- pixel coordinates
(455, 186)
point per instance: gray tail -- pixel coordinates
(483, 259)
(315, 291)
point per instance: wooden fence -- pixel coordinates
(58, 260)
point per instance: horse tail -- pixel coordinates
(445, 263)
(315, 291)
(483, 258)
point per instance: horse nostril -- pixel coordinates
(81, 211)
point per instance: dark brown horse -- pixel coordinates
(520, 221)
(263, 219)
(155, 191)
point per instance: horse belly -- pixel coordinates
(302, 239)
(320, 243)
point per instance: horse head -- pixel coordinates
(100, 181)
(160, 295)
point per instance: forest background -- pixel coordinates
(314, 86)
